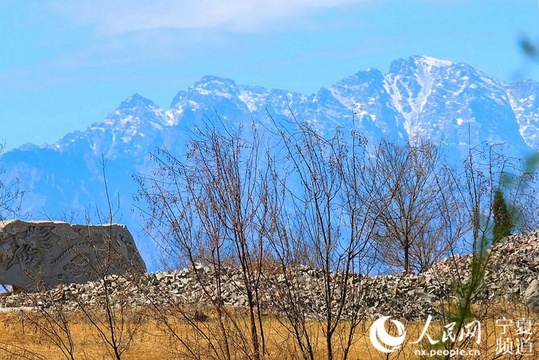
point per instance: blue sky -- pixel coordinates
(66, 64)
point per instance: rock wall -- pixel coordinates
(40, 255)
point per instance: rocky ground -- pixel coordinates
(512, 265)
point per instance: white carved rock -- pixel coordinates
(36, 255)
(531, 295)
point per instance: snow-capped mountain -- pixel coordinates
(450, 103)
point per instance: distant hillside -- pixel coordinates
(451, 103)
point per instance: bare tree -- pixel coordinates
(325, 219)
(52, 320)
(209, 209)
(110, 313)
(422, 222)
(301, 198)
(11, 196)
(487, 170)
(115, 321)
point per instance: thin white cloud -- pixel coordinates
(121, 16)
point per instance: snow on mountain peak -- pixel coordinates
(432, 62)
(136, 100)
(215, 85)
(419, 63)
(419, 96)
(449, 103)
(135, 109)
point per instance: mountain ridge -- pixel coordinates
(450, 103)
(348, 94)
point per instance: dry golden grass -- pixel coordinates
(20, 338)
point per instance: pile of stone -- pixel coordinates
(512, 265)
(368, 296)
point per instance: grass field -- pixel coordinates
(32, 335)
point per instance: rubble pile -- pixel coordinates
(512, 265)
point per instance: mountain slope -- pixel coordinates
(450, 103)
